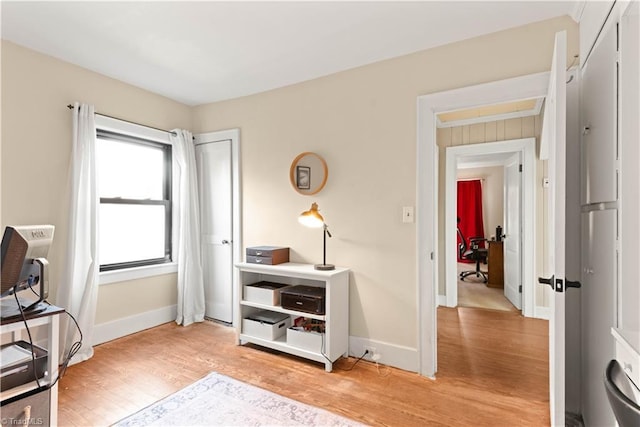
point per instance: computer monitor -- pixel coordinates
(24, 263)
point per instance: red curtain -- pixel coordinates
(470, 211)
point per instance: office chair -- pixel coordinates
(473, 252)
(620, 394)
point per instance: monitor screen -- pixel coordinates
(21, 245)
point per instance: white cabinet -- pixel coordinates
(593, 17)
(629, 171)
(610, 178)
(598, 121)
(334, 343)
(44, 404)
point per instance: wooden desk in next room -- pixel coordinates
(496, 265)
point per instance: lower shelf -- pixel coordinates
(280, 344)
(23, 389)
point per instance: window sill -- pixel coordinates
(124, 275)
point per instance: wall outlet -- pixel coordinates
(372, 354)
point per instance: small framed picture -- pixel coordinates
(303, 177)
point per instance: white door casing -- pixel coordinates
(482, 155)
(216, 158)
(427, 175)
(524, 87)
(553, 148)
(512, 231)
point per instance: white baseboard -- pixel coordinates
(108, 331)
(390, 354)
(441, 301)
(541, 312)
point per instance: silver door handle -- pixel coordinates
(225, 242)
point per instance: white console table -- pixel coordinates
(336, 317)
(44, 404)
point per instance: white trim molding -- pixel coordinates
(526, 148)
(390, 354)
(524, 87)
(124, 275)
(124, 326)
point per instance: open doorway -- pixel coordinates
(430, 175)
(515, 161)
(482, 269)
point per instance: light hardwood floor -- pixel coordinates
(493, 371)
(473, 292)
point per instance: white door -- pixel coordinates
(553, 148)
(216, 212)
(512, 231)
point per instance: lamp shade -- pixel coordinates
(312, 217)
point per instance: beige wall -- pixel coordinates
(36, 144)
(363, 122)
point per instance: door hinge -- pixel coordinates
(431, 256)
(520, 288)
(520, 167)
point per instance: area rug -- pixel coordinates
(217, 400)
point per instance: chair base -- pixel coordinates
(478, 274)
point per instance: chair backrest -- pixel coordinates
(462, 246)
(621, 397)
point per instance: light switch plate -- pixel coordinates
(407, 214)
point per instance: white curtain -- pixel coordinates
(78, 286)
(186, 214)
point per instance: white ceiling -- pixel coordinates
(200, 52)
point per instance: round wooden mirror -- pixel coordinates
(308, 173)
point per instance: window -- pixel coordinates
(134, 186)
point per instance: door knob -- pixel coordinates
(572, 284)
(225, 242)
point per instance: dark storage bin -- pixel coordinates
(22, 372)
(308, 299)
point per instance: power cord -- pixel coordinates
(26, 326)
(322, 349)
(356, 362)
(75, 347)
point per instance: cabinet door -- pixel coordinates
(629, 171)
(598, 311)
(599, 121)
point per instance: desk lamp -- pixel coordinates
(313, 219)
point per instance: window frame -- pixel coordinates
(121, 131)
